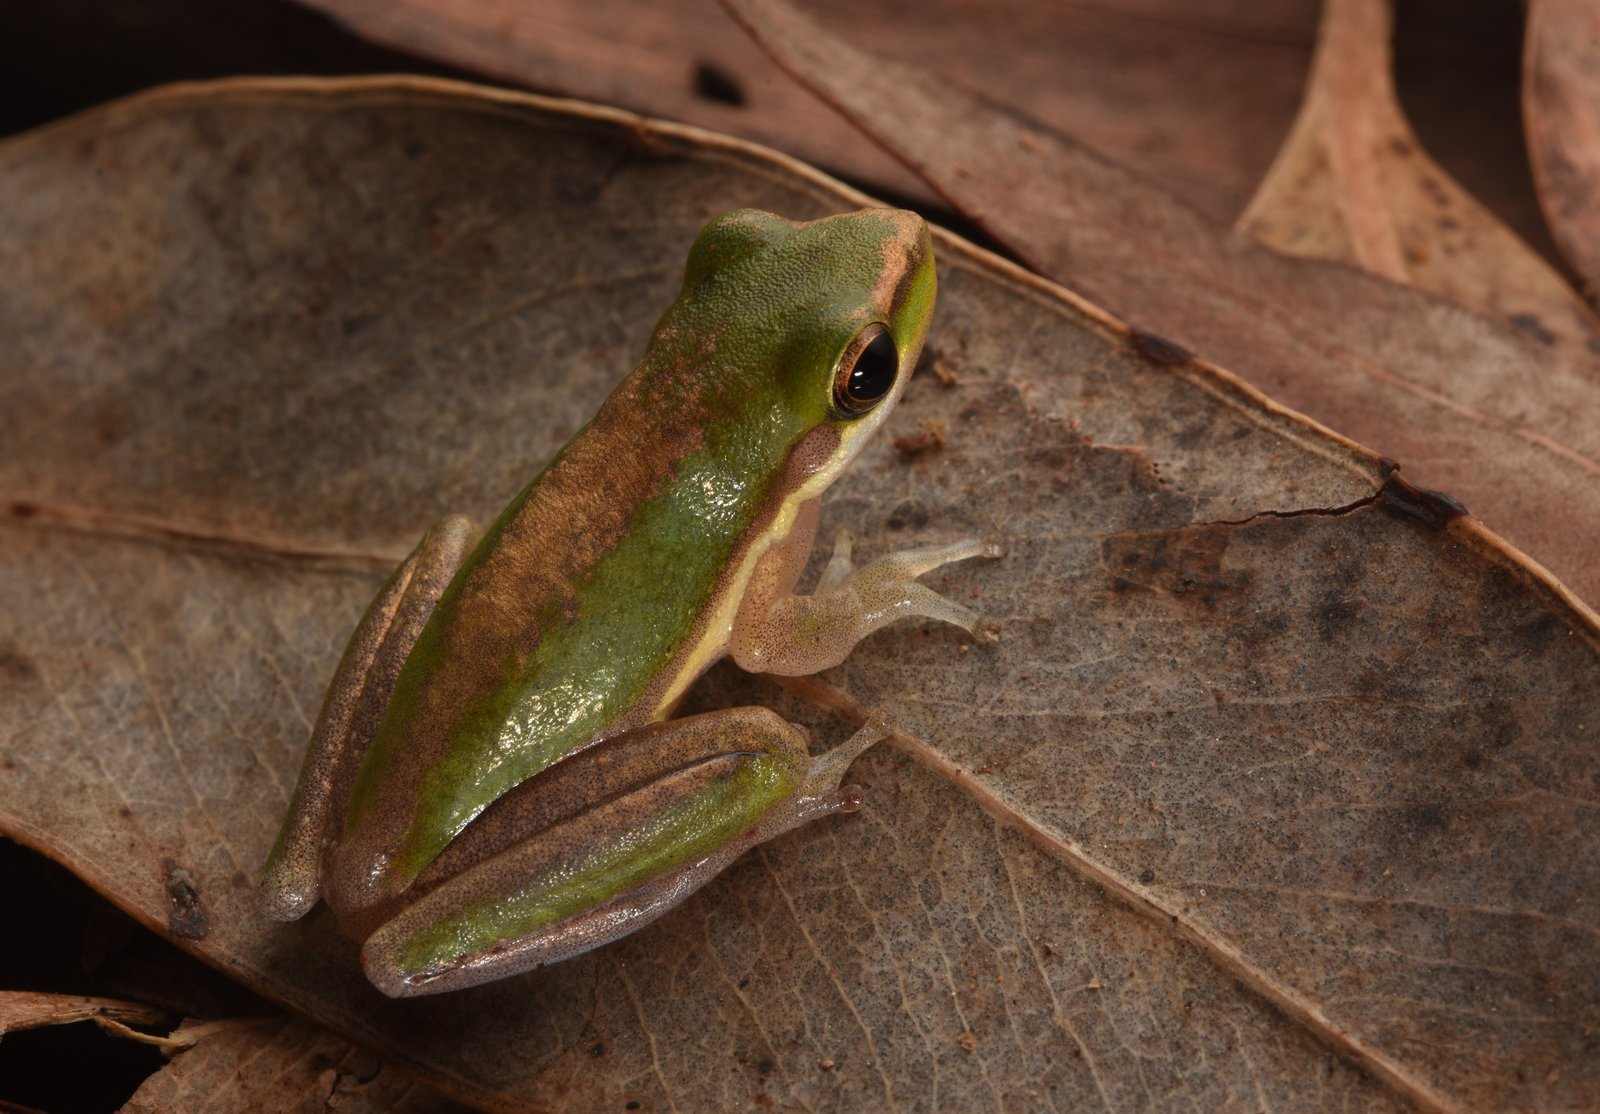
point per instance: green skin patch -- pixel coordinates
(585, 671)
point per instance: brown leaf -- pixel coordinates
(280, 1065)
(1280, 771)
(1353, 184)
(680, 59)
(1123, 77)
(1494, 416)
(1561, 104)
(21, 1010)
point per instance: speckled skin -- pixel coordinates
(493, 783)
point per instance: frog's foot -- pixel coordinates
(824, 794)
(887, 589)
(805, 634)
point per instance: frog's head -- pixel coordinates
(812, 328)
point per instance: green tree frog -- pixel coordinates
(495, 782)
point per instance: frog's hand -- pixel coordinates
(615, 837)
(291, 881)
(804, 634)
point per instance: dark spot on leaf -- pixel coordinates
(20, 509)
(186, 916)
(714, 83)
(1050, 458)
(1434, 509)
(1146, 876)
(352, 323)
(906, 514)
(1509, 732)
(15, 666)
(1185, 564)
(597, 1049)
(631, 1104)
(1530, 324)
(765, 1066)
(1430, 818)
(1537, 635)
(1159, 350)
(1335, 615)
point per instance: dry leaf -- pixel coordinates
(1277, 789)
(1123, 77)
(1561, 105)
(21, 1010)
(1353, 184)
(280, 1065)
(1505, 423)
(679, 59)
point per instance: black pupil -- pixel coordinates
(874, 372)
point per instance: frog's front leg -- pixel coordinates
(604, 842)
(291, 881)
(776, 631)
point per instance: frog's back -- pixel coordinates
(561, 627)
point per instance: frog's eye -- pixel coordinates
(866, 373)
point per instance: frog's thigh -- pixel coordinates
(777, 632)
(666, 808)
(357, 698)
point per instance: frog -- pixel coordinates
(498, 779)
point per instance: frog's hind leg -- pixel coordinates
(291, 881)
(605, 842)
